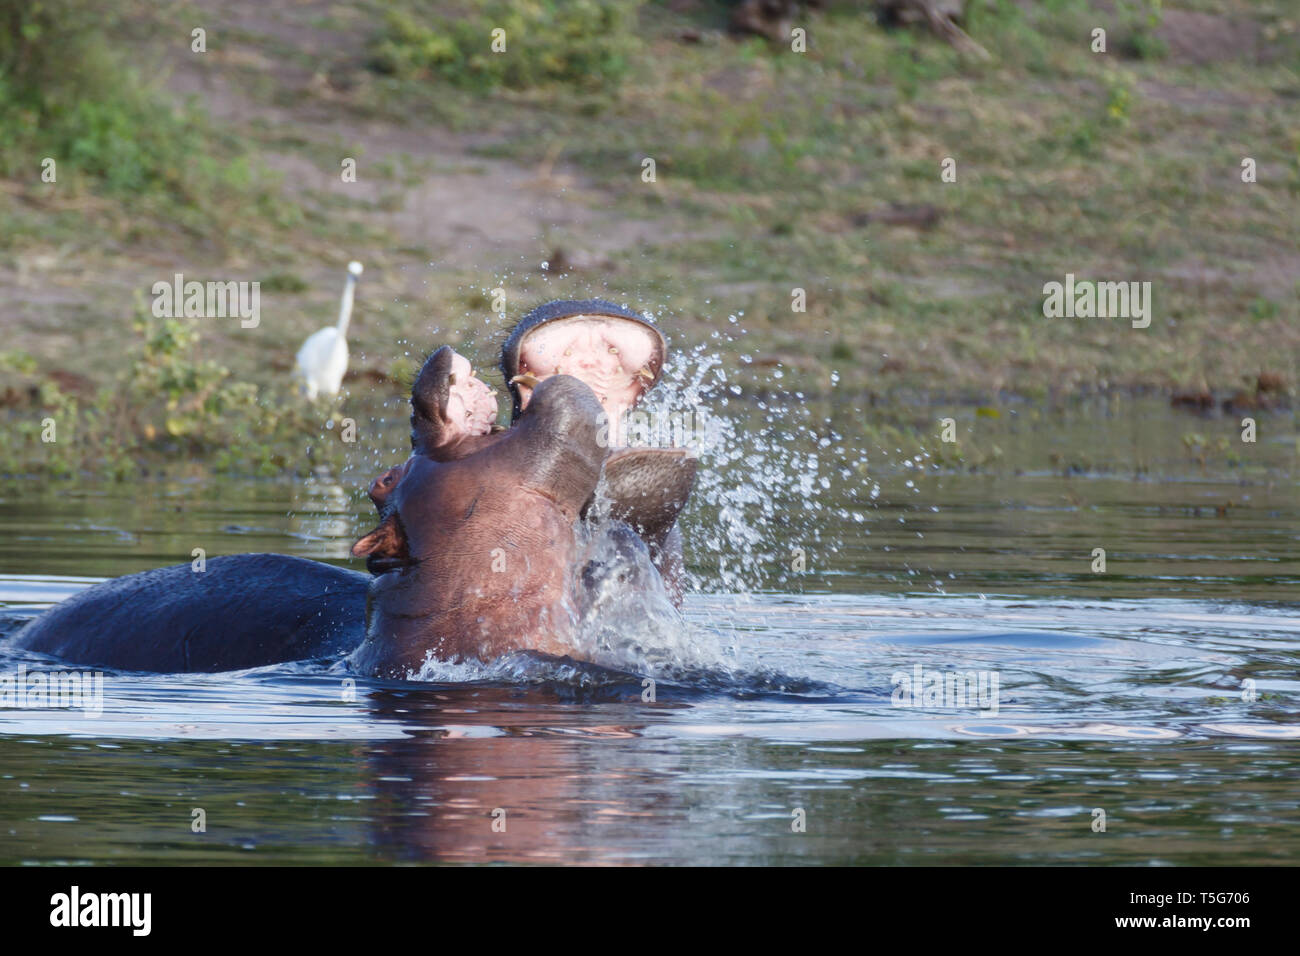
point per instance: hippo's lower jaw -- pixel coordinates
(648, 487)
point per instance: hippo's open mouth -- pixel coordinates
(617, 358)
(616, 352)
(471, 403)
(449, 404)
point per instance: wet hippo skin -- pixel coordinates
(477, 555)
(244, 610)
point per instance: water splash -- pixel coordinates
(627, 620)
(757, 518)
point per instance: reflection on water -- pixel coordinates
(1164, 692)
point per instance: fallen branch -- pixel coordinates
(938, 19)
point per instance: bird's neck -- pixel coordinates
(345, 308)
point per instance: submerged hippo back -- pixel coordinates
(244, 610)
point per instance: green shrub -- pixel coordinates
(1140, 19)
(73, 89)
(65, 94)
(169, 405)
(585, 44)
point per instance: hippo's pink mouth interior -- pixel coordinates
(471, 402)
(618, 358)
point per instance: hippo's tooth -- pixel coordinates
(645, 373)
(526, 378)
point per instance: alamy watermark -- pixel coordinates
(692, 428)
(927, 688)
(208, 300)
(133, 911)
(1085, 299)
(53, 690)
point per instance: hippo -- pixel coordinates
(473, 557)
(620, 354)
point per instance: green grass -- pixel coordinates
(88, 127)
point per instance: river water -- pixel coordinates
(1147, 713)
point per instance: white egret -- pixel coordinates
(323, 358)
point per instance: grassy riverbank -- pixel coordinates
(775, 171)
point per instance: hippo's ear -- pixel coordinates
(386, 541)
